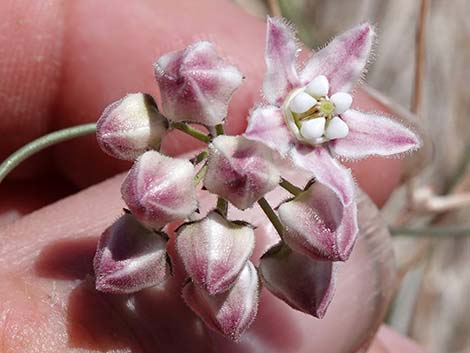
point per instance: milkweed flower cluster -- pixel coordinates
(306, 119)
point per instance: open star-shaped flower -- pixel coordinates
(309, 120)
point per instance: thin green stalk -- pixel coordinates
(200, 175)
(435, 231)
(219, 129)
(272, 216)
(197, 134)
(222, 206)
(41, 143)
(294, 190)
(200, 157)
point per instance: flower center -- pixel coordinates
(326, 107)
(313, 116)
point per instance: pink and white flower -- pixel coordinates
(308, 118)
(130, 257)
(196, 84)
(130, 126)
(159, 189)
(215, 250)
(229, 313)
(303, 283)
(330, 225)
(240, 170)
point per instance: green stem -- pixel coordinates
(197, 134)
(268, 210)
(222, 206)
(219, 129)
(41, 143)
(200, 175)
(294, 190)
(200, 157)
(431, 231)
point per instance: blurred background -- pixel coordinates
(422, 68)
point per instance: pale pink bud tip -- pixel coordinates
(229, 313)
(130, 126)
(240, 170)
(319, 225)
(196, 84)
(303, 283)
(159, 189)
(215, 250)
(130, 257)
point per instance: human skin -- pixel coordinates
(61, 64)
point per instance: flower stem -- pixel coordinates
(41, 143)
(197, 134)
(431, 231)
(219, 129)
(294, 190)
(272, 216)
(200, 175)
(200, 157)
(222, 206)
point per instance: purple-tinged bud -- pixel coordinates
(240, 170)
(196, 84)
(303, 283)
(229, 313)
(159, 189)
(130, 257)
(130, 126)
(215, 250)
(319, 225)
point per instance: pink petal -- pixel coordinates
(319, 225)
(130, 257)
(305, 284)
(343, 60)
(229, 313)
(159, 189)
(196, 84)
(240, 170)
(280, 56)
(130, 126)
(371, 134)
(267, 125)
(326, 170)
(214, 251)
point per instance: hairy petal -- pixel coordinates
(326, 170)
(130, 257)
(343, 60)
(196, 84)
(130, 126)
(266, 124)
(371, 134)
(214, 251)
(159, 189)
(229, 313)
(240, 170)
(280, 56)
(303, 283)
(318, 225)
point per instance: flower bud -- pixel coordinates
(130, 126)
(319, 225)
(215, 250)
(130, 257)
(303, 283)
(159, 189)
(229, 313)
(240, 170)
(196, 84)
